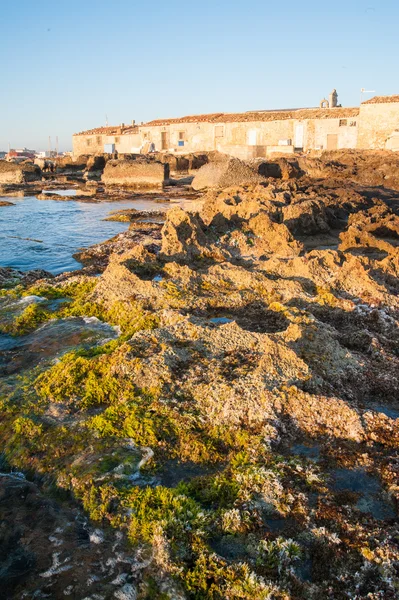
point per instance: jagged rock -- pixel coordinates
(233, 205)
(306, 218)
(374, 229)
(271, 237)
(10, 277)
(368, 167)
(182, 236)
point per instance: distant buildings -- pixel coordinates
(21, 153)
(46, 154)
(373, 125)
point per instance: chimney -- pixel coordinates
(133, 123)
(122, 125)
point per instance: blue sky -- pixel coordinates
(65, 65)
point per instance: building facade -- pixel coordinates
(373, 125)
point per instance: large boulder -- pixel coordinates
(13, 173)
(136, 173)
(225, 173)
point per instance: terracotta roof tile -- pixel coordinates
(382, 100)
(277, 115)
(112, 130)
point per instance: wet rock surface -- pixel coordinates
(243, 430)
(51, 551)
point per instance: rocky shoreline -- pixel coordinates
(241, 434)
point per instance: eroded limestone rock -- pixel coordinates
(13, 173)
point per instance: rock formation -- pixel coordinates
(242, 432)
(138, 173)
(13, 173)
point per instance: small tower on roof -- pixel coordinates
(333, 99)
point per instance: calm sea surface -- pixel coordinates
(58, 229)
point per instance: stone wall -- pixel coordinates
(346, 131)
(87, 144)
(393, 142)
(193, 137)
(94, 143)
(251, 139)
(377, 124)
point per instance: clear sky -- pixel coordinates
(65, 65)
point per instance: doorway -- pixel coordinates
(298, 142)
(332, 141)
(164, 140)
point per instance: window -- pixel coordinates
(219, 131)
(146, 136)
(99, 139)
(117, 140)
(343, 122)
(88, 141)
(182, 135)
(352, 124)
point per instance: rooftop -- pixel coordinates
(382, 100)
(111, 130)
(267, 115)
(250, 116)
(256, 115)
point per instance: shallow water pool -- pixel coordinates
(44, 234)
